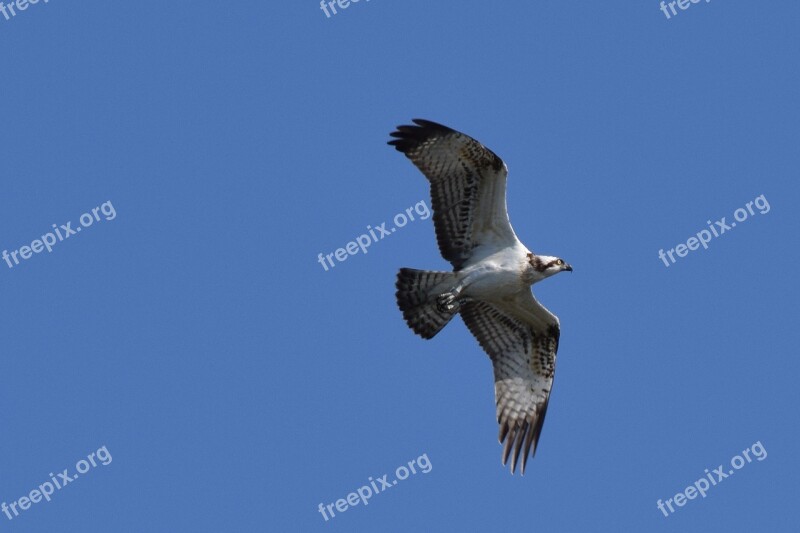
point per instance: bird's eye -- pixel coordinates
(560, 262)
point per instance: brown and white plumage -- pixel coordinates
(490, 282)
(468, 187)
(524, 360)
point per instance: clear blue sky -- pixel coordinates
(237, 384)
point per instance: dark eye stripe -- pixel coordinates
(536, 263)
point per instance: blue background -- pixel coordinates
(237, 384)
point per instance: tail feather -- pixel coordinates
(417, 300)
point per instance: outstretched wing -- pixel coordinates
(521, 338)
(468, 188)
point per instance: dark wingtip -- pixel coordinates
(431, 125)
(519, 441)
(409, 136)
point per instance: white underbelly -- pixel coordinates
(494, 282)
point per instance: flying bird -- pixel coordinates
(490, 282)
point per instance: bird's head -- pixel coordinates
(545, 266)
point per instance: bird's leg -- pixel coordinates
(447, 302)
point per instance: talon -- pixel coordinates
(446, 303)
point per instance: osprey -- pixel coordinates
(491, 279)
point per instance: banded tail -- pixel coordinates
(418, 294)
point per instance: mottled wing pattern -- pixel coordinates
(521, 341)
(468, 187)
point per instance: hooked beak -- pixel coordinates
(568, 268)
